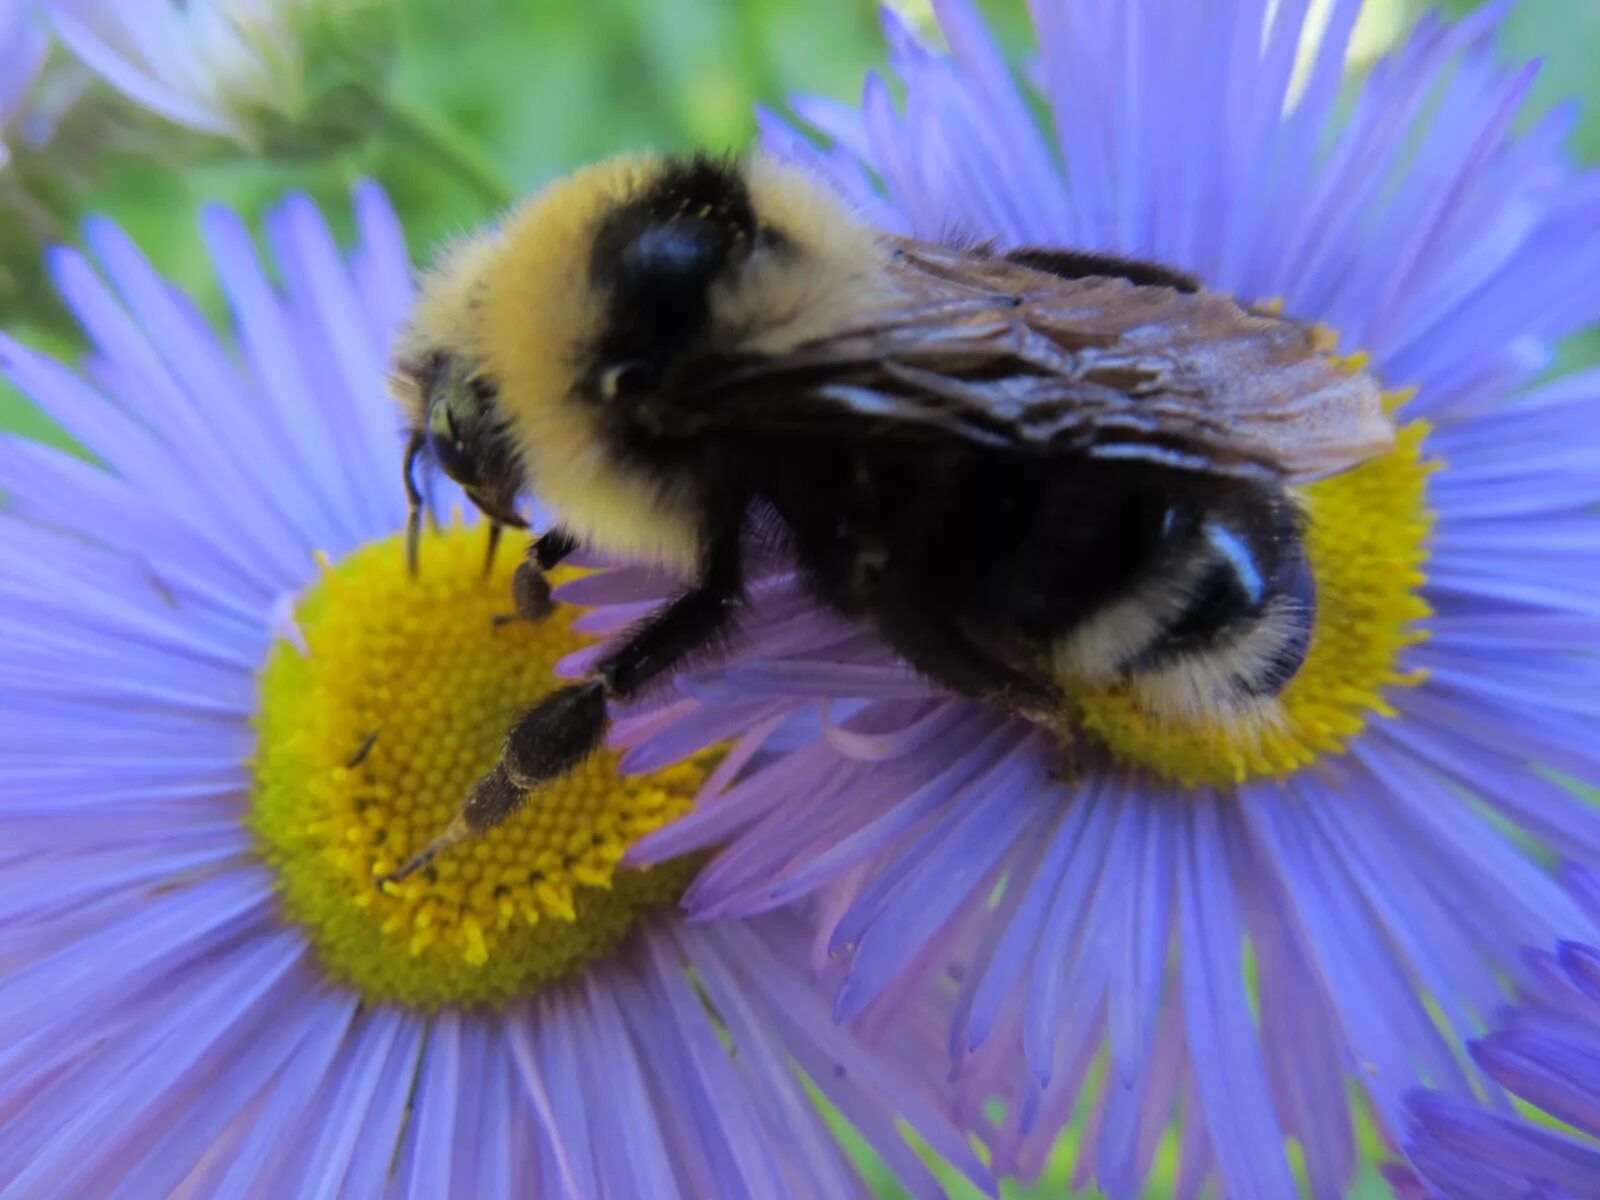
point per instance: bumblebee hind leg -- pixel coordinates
(937, 647)
(563, 729)
(547, 741)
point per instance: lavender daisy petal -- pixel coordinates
(1546, 1052)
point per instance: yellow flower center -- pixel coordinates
(420, 669)
(1368, 546)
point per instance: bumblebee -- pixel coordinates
(1028, 469)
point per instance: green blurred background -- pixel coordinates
(543, 85)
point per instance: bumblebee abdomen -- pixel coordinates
(1220, 621)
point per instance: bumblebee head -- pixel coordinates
(450, 402)
(461, 432)
(535, 351)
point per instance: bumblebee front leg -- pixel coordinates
(568, 725)
(530, 590)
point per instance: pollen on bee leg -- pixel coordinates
(498, 911)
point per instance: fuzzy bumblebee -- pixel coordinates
(1030, 470)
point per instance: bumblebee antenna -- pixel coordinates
(414, 502)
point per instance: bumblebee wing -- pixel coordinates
(1001, 354)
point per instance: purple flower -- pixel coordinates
(1546, 1052)
(294, 76)
(204, 991)
(1237, 930)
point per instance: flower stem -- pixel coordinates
(456, 151)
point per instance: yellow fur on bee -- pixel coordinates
(835, 274)
(539, 314)
(443, 314)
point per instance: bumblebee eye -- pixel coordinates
(446, 446)
(626, 379)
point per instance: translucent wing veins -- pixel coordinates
(999, 354)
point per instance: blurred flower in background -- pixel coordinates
(213, 749)
(1547, 1054)
(91, 87)
(24, 45)
(277, 77)
(27, 118)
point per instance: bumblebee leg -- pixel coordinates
(530, 590)
(530, 595)
(680, 627)
(495, 793)
(547, 741)
(495, 530)
(937, 647)
(551, 548)
(568, 725)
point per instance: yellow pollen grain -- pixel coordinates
(422, 664)
(1368, 545)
